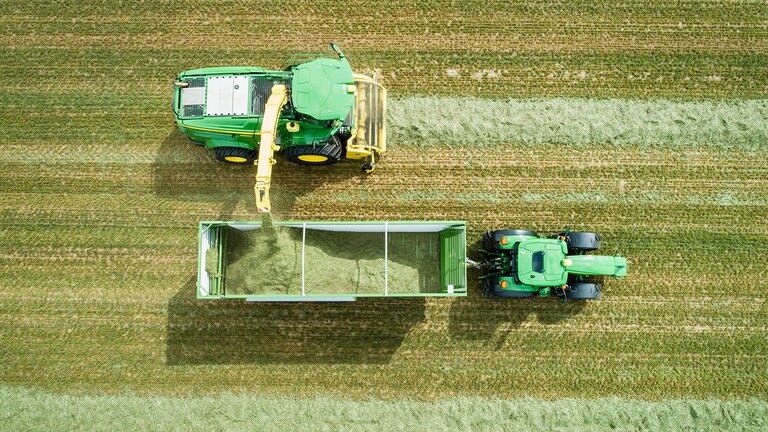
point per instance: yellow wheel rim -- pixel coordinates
(236, 159)
(313, 158)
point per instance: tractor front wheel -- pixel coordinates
(322, 154)
(582, 241)
(491, 239)
(235, 155)
(583, 291)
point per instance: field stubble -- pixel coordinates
(687, 322)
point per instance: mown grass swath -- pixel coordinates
(574, 123)
(22, 409)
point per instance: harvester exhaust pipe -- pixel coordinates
(337, 50)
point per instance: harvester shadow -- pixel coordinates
(496, 319)
(186, 172)
(368, 331)
(183, 171)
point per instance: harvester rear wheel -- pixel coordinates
(322, 154)
(492, 288)
(491, 238)
(583, 291)
(582, 241)
(235, 155)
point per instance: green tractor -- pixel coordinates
(520, 263)
(315, 113)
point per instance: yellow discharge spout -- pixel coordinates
(267, 147)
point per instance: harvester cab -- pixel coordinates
(521, 263)
(315, 113)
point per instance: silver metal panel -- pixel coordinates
(212, 100)
(301, 299)
(192, 96)
(240, 95)
(227, 96)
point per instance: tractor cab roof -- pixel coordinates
(323, 89)
(540, 262)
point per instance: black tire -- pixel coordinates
(492, 288)
(234, 155)
(583, 291)
(582, 241)
(320, 154)
(491, 239)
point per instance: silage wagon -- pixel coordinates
(331, 261)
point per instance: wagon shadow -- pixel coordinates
(368, 331)
(183, 171)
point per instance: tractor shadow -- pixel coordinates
(368, 331)
(495, 319)
(186, 172)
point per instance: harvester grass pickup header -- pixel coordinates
(315, 113)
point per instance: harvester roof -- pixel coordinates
(323, 89)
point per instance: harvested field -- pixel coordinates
(644, 121)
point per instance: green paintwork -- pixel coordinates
(512, 240)
(554, 253)
(598, 265)
(538, 273)
(319, 89)
(452, 267)
(453, 258)
(512, 285)
(319, 105)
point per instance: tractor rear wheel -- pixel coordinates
(321, 154)
(234, 155)
(583, 291)
(492, 288)
(582, 241)
(491, 239)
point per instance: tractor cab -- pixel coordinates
(541, 262)
(324, 89)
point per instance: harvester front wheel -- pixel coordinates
(235, 155)
(323, 154)
(491, 239)
(583, 291)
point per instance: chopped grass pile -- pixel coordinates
(212, 261)
(269, 262)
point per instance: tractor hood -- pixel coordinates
(323, 89)
(598, 265)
